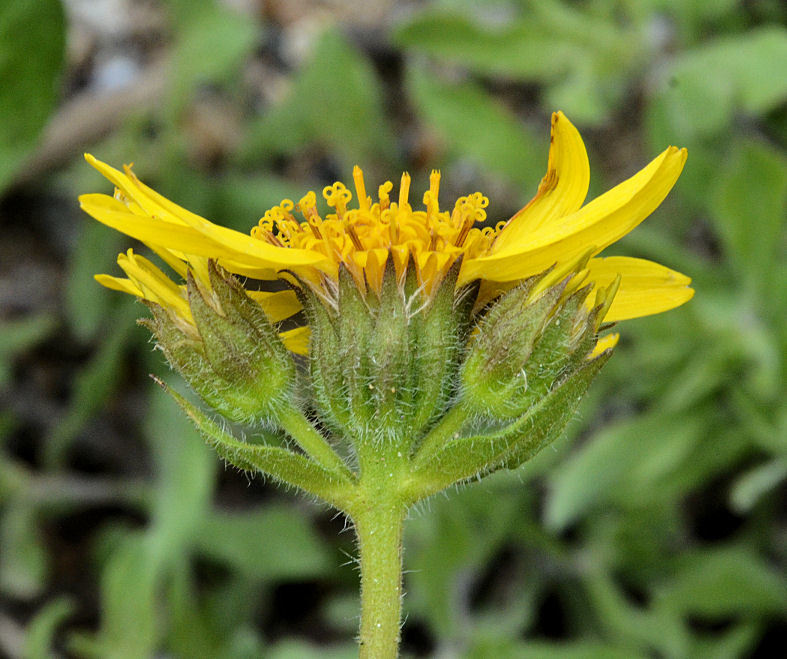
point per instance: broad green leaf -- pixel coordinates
(275, 542)
(335, 101)
(472, 124)
(32, 46)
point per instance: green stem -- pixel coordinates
(311, 441)
(379, 531)
(448, 428)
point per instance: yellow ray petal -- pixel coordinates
(296, 340)
(601, 222)
(119, 284)
(562, 190)
(113, 213)
(646, 287)
(604, 343)
(174, 259)
(154, 284)
(157, 206)
(277, 306)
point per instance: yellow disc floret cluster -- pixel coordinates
(362, 238)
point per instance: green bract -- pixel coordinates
(444, 393)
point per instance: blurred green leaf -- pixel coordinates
(649, 631)
(259, 544)
(448, 545)
(739, 641)
(43, 627)
(93, 385)
(130, 621)
(582, 58)
(19, 335)
(512, 649)
(294, 649)
(193, 631)
(32, 47)
(212, 41)
(724, 581)
(23, 561)
(184, 482)
(473, 124)
(749, 200)
(756, 483)
(702, 88)
(336, 101)
(632, 457)
(241, 200)
(514, 49)
(87, 304)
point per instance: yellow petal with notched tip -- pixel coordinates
(603, 221)
(159, 207)
(562, 190)
(187, 239)
(646, 287)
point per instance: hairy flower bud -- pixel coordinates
(235, 361)
(383, 367)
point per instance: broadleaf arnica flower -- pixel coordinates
(436, 348)
(553, 230)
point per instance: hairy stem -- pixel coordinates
(379, 532)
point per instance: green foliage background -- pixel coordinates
(656, 527)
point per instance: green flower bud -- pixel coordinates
(235, 361)
(384, 367)
(524, 346)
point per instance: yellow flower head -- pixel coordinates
(554, 232)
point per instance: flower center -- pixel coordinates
(363, 238)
